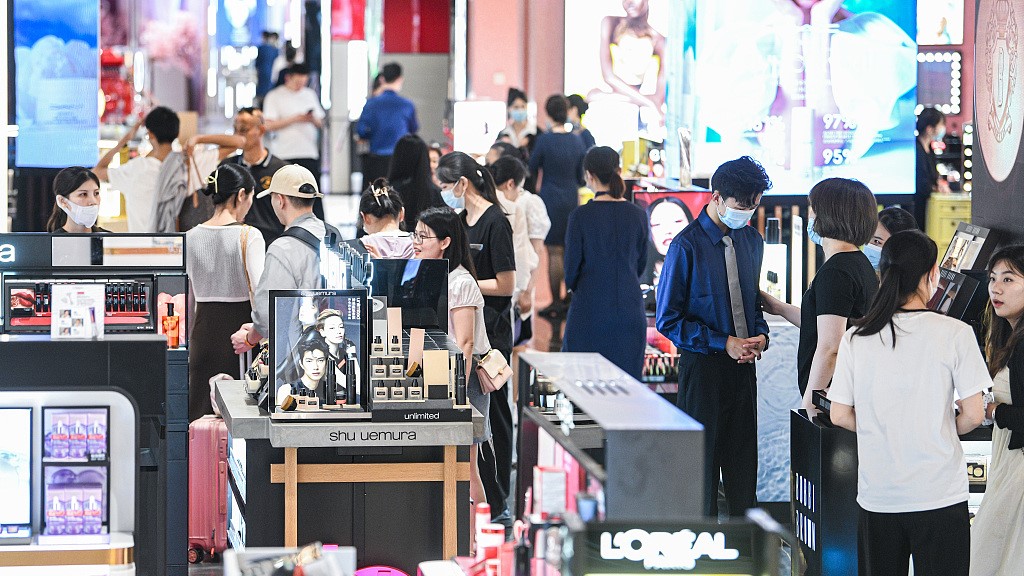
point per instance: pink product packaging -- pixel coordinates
(77, 435)
(56, 522)
(59, 436)
(93, 510)
(96, 444)
(74, 512)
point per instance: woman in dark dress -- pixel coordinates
(468, 188)
(605, 255)
(410, 176)
(557, 163)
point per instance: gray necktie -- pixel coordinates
(735, 296)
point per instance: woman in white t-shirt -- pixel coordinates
(895, 379)
(509, 174)
(440, 234)
(997, 538)
(225, 262)
(382, 211)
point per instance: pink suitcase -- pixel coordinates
(207, 488)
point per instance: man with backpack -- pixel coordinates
(293, 260)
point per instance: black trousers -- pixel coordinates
(374, 166)
(495, 463)
(722, 395)
(939, 540)
(313, 165)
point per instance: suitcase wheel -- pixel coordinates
(195, 555)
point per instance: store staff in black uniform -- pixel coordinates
(708, 306)
(931, 127)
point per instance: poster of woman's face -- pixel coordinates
(667, 213)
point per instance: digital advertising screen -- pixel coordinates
(311, 329)
(15, 469)
(616, 57)
(810, 89)
(56, 82)
(940, 22)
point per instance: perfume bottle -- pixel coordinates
(170, 326)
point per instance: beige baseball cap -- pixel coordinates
(290, 181)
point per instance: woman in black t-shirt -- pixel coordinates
(77, 202)
(843, 215)
(468, 187)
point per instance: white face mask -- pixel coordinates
(81, 215)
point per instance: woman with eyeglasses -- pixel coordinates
(225, 263)
(440, 235)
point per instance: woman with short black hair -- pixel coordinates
(843, 214)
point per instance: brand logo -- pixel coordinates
(423, 416)
(6, 253)
(373, 436)
(665, 550)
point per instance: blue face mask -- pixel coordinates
(734, 218)
(453, 201)
(814, 236)
(518, 115)
(874, 254)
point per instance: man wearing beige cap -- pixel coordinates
(293, 260)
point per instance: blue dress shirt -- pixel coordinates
(385, 119)
(693, 292)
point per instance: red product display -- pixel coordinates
(207, 488)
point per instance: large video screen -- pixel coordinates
(813, 89)
(56, 82)
(617, 57)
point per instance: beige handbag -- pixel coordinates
(493, 371)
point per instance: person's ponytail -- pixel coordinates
(603, 163)
(57, 218)
(616, 187)
(907, 257)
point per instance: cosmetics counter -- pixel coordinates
(358, 430)
(69, 474)
(88, 311)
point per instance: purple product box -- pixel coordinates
(74, 512)
(56, 522)
(77, 435)
(97, 436)
(93, 510)
(59, 436)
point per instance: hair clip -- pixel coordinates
(212, 179)
(377, 193)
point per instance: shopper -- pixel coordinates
(440, 233)
(294, 119)
(76, 205)
(292, 262)
(385, 119)
(381, 211)
(520, 132)
(708, 307)
(509, 174)
(997, 538)
(266, 54)
(469, 188)
(250, 125)
(842, 217)
(931, 127)
(890, 221)
(894, 384)
(154, 186)
(435, 157)
(500, 149)
(557, 162)
(605, 254)
(577, 108)
(412, 176)
(225, 263)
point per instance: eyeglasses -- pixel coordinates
(418, 238)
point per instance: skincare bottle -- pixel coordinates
(350, 382)
(460, 380)
(170, 326)
(331, 383)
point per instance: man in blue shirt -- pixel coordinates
(385, 119)
(266, 53)
(708, 306)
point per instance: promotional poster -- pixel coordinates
(668, 213)
(616, 57)
(56, 80)
(15, 467)
(313, 330)
(811, 88)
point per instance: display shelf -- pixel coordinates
(118, 552)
